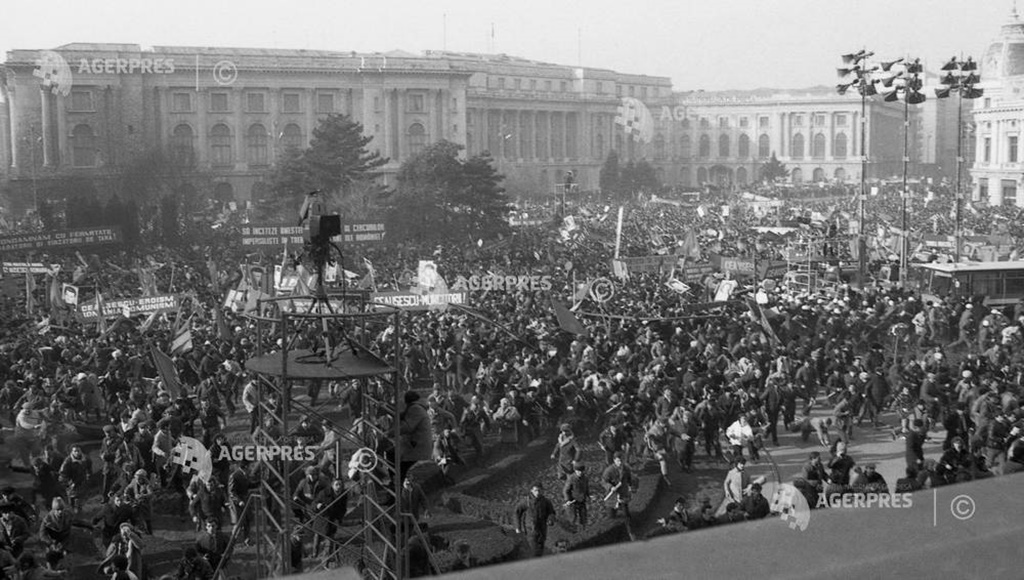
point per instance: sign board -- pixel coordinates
(772, 269)
(649, 264)
(34, 268)
(141, 305)
(737, 266)
(696, 273)
(61, 239)
(271, 235)
(277, 235)
(417, 302)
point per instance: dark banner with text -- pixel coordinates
(276, 236)
(72, 239)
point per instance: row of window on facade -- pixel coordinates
(721, 175)
(253, 101)
(796, 151)
(222, 143)
(1012, 149)
(1008, 188)
(763, 122)
(519, 84)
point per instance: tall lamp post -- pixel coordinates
(855, 70)
(906, 86)
(961, 79)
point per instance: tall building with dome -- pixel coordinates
(997, 175)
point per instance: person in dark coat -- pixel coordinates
(754, 503)
(211, 544)
(417, 436)
(332, 505)
(576, 493)
(541, 512)
(915, 445)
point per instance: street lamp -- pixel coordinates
(960, 78)
(855, 64)
(906, 85)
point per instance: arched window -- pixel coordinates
(840, 174)
(704, 149)
(182, 152)
(702, 176)
(818, 175)
(744, 147)
(818, 146)
(256, 145)
(291, 137)
(220, 145)
(685, 148)
(741, 176)
(723, 146)
(417, 139)
(684, 176)
(797, 151)
(83, 146)
(659, 147)
(839, 149)
(764, 147)
(797, 175)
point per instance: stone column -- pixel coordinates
(240, 153)
(202, 129)
(551, 136)
(402, 131)
(13, 126)
(63, 154)
(47, 126)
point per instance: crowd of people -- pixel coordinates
(656, 374)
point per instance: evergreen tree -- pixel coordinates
(773, 170)
(609, 179)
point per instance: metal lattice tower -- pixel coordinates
(321, 337)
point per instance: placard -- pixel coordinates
(140, 305)
(417, 302)
(60, 239)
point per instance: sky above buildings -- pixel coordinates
(707, 44)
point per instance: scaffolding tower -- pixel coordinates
(310, 340)
(809, 258)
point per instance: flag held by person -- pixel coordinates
(758, 314)
(182, 341)
(168, 373)
(567, 321)
(691, 247)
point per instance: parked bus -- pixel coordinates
(997, 283)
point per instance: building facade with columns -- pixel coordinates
(222, 115)
(723, 138)
(997, 176)
(225, 115)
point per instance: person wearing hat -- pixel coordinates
(139, 494)
(567, 450)
(307, 491)
(55, 528)
(417, 437)
(576, 493)
(111, 453)
(28, 432)
(541, 513)
(619, 481)
(873, 481)
(754, 504)
(75, 473)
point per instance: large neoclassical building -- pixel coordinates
(997, 175)
(223, 116)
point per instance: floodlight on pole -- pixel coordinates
(960, 78)
(907, 86)
(864, 79)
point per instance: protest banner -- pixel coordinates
(418, 302)
(141, 305)
(28, 267)
(276, 236)
(648, 264)
(61, 239)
